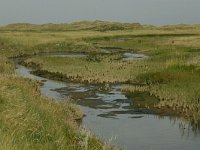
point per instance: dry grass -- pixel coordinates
(30, 121)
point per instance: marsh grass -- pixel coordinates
(30, 121)
(5, 66)
(103, 69)
(171, 73)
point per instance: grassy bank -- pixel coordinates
(30, 121)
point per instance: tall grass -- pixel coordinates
(30, 121)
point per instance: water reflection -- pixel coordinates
(131, 56)
(125, 56)
(113, 114)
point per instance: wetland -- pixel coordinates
(112, 114)
(131, 87)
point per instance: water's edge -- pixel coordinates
(111, 115)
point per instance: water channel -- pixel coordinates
(111, 115)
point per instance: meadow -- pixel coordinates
(170, 72)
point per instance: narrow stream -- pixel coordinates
(112, 116)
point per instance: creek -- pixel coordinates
(112, 116)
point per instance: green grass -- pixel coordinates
(30, 121)
(105, 69)
(5, 66)
(171, 72)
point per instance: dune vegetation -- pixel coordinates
(170, 72)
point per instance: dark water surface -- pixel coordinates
(112, 116)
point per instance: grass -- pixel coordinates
(107, 69)
(30, 121)
(77, 26)
(171, 73)
(174, 82)
(5, 66)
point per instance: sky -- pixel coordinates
(155, 12)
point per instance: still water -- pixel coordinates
(111, 115)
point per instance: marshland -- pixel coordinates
(78, 85)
